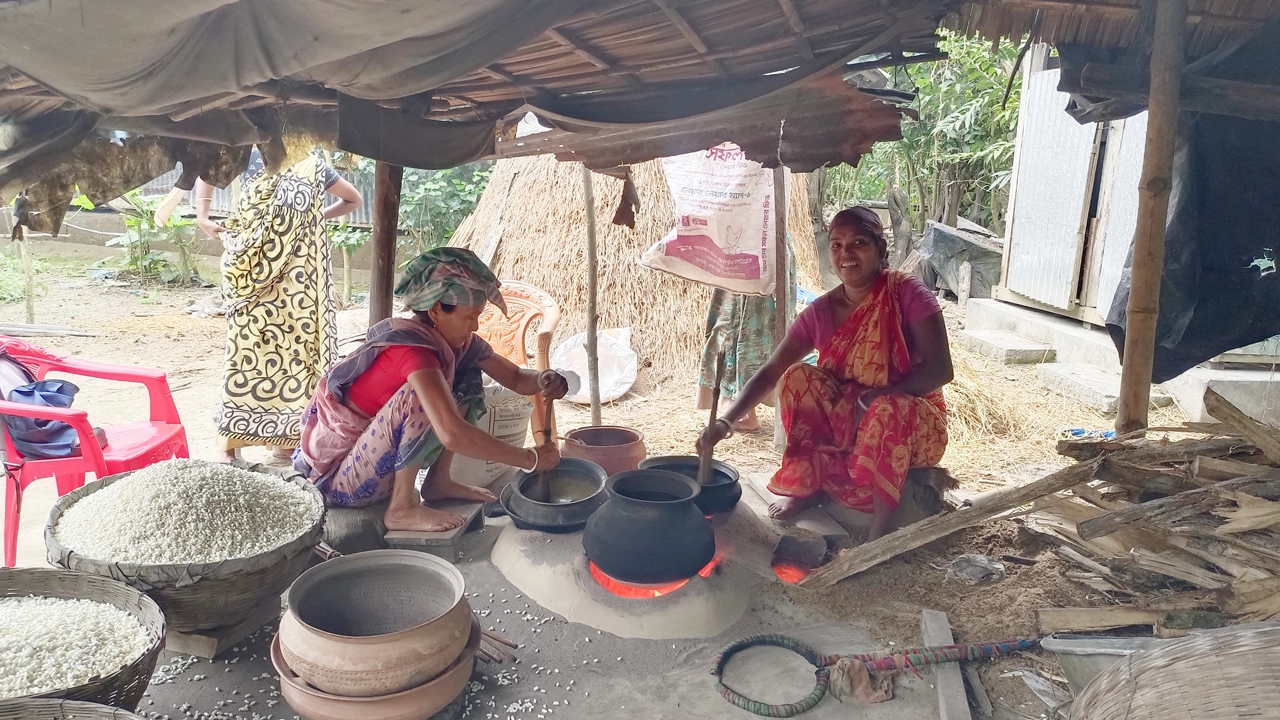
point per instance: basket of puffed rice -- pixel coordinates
(75, 636)
(44, 709)
(209, 542)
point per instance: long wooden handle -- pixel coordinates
(704, 457)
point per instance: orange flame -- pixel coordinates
(791, 572)
(644, 592)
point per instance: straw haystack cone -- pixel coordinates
(533, 209)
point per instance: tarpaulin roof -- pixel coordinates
(425, 83)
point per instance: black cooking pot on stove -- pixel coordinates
(720, 494)
(650, 530)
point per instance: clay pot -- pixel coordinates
(575, 490)
(651, 530)
(418, 703)
(720, 494)
(616, 449)
(375, 623)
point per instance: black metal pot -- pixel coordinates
(719, 495)
(650, 530)
(574, 487)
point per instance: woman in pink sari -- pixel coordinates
(872, 408)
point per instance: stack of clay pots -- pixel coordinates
(381, 635)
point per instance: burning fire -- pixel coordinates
(644, 592)
(791, 572)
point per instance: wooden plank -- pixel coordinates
(386, 219)
(27, 330)
(1167, 52)
(1206, 497)
(953, 704)
(980, 697)
(1209, 469)
(1085, 619)
(1255, 432)
(1167, 563)
(209, 644)
(983, 507)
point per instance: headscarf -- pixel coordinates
(449, 275)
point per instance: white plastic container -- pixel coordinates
(507, 420)
(1083, 657)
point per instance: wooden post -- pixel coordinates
(781, 285)
(1167, 57)
(593, 355)
(386, 219)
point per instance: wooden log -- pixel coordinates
(983, 507)
(953, 704)
(1168, 50)
(1212, 470)
(1265, 437)
(28, 330)
(1202, 498)
(1252, 101)
(1176, 565)
(386, 219)
(980, 697)
(1092, 619)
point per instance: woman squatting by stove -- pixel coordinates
(407, 397)
(872, 407)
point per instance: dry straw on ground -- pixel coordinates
(536, 206)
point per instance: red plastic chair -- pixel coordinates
(129, 446)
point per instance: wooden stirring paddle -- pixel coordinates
(704, 457)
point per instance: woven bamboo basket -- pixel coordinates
(40, 709)
(1231, 673)
(200, 596)
(122, 688)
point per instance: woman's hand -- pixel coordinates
(212, 229)
(715, 432)
(552, 384)
(548, 456)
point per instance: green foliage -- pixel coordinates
(141, 230)
(347, 238)
(13, 284)
(956, 160)
(434, 202)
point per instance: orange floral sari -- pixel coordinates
(825, 450)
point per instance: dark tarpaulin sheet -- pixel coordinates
(1224, 215)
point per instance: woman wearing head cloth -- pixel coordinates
(407, 398)
(872, 408)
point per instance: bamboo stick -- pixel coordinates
(386, 218)
(1168, 49)
(593, 353)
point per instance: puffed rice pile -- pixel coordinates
(49, 644)
(187, 511)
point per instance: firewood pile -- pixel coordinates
(1178, 535)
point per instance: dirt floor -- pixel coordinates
(1003, 430)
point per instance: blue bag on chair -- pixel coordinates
(39, 439)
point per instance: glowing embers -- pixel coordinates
(791, 572)
(645, 592)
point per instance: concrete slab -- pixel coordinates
(447, 544)
(1006, 347)
(814, 519)
(1094, 386)
(1071, 341)
(1256, 392)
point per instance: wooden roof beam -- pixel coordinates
(195, 107)
(585, 52)
(1101, 8)
(797, 24)
(537, 91)
(692, 36)
(1198, 93)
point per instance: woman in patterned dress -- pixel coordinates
(278, 291)
(409, 397)
(872, 408)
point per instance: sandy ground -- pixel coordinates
(146, 326)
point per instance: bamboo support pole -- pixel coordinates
(593, 356)
(1167, 58)
(781, 289)
(386, 219)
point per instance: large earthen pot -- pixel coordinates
(719, 495)
(614, 448)
(650, 530)
(375, 623)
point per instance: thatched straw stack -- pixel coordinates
(536, 204)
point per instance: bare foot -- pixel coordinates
(420, 518)
(786, 507)
(747, 424)
(441, 489)
(230, 456)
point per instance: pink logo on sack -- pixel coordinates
(702, 252)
